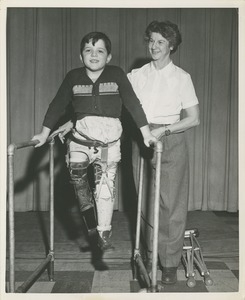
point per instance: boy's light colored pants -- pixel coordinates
(105, 130)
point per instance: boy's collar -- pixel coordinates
(84, 72)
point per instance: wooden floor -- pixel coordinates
(74, 272)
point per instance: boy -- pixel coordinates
(97, 92)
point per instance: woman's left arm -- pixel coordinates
(191, 119)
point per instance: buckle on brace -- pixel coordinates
(104, 154)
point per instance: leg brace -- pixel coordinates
(104, 191)
(79, 179)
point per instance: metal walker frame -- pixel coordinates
(192, 256)
(49, 260)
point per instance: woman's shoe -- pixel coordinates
(169, 275)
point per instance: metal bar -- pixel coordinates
(158, 150)
(26, 144)
(137, 242)
(143, 270)
(51, 210)
(138, 220)
(34, 276)
(11, 149)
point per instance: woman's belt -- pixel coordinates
(154, 125)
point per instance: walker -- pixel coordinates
(192, 255)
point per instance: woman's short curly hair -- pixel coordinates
(168, 30)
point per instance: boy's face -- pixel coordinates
(95, 57)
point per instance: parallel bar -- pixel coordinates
(11, 151)
(26, 144)
(51, 210)
(11, 220)
(137, 242)
(143, 271)
(138, 220)
(158, 151)
(34, 276)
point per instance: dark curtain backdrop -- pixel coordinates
(43, 44)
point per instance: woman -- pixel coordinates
(165, 91)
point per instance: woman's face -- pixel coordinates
(158, 47)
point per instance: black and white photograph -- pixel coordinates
(112, 185)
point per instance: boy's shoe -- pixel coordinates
(169, 275)
(104, 240)
(97, 259)
(97, 253)
(92, 232)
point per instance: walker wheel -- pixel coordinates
(208, 280)
(191, 282)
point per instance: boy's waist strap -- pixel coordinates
(89, 142)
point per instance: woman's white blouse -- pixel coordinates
(163, 93)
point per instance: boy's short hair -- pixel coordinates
(168, 30)
(95, 36)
